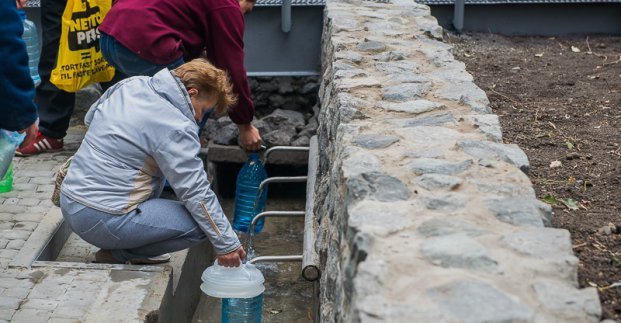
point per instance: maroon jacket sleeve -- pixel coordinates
(225, 49)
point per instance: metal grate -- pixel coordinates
(450, 2)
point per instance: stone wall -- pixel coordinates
(424, 214)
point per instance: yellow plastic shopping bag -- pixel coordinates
(80, 61)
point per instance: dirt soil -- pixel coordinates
(559, 99)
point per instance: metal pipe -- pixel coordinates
(282, 179)
(291, 258)
(279, 214)
(285, 16)
(268, 152)
(310, 261)
(458, 15)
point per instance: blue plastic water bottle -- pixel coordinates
(248, 180)
(31, 38)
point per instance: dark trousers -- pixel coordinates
(55, 105)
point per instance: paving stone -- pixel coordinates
(13, 282)
(10, 201)
(470, 301)
(15, 234)
(31, 315)
(63, 320)
(8, 253)
(6, 314)
(45, 188)
(41, 304)
(46, 180)
(16, 292)
(10, 303)
(70, 312)
(15, 209)
(29, 202)
(24, 187)
(15, 244)
(33, 215)
(26, 226)
(458, 251)
(5, 226)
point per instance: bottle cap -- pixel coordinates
(245, 281)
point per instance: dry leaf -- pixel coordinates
(555, 164)
(575, 49)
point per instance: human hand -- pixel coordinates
(232, 259)
(31, 134)
(21, 3)
(249, 137)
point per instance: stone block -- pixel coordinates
(374, 141)
(15, 234)
(458, 251)
(441, 227)
(567, 302)
(446, 201)
(377, 186)
(15, 244)
(544, 243)
(438, 166)
(520, 211)
(472, 301)
(414, 107)
(488, 150)
(438, 182)
(378, 218)
(405, 92)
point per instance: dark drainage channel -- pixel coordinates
(288, 297)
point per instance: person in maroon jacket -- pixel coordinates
(141, 37)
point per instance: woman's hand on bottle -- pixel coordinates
(249, 137)
(232, 259)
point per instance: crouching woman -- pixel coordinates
(142, 131)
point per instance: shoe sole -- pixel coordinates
(18, 154)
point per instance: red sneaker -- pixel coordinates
(41, 144)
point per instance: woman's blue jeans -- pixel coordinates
(155, 227)
(127, 61)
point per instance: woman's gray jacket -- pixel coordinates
(141, 132)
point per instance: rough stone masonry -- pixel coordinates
(425, 215)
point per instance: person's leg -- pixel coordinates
(55, 105)
(158, 226)
(128, 62)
